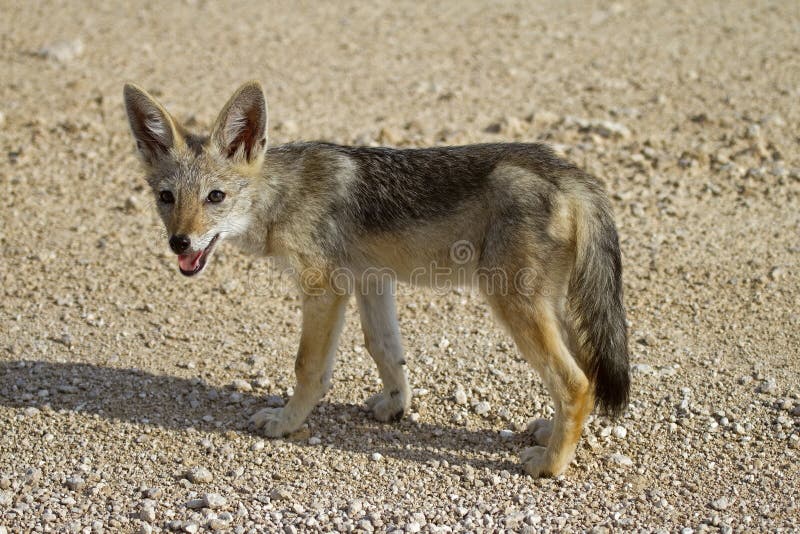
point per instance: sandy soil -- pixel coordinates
(125, 388)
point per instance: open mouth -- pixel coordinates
(193, 263)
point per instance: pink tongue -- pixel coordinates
(188, 262)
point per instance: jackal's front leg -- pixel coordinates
(322, 322)
(382, 338)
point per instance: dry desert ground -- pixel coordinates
(125, 388)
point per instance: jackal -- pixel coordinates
(515, 209)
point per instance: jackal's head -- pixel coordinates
(204, 186)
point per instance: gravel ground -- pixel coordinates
(125, 389)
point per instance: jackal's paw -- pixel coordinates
(541, 429)
(388, 405)
(536, 463)
(272, 422)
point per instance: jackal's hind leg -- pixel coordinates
(535, 329)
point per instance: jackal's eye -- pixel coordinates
(216, 196)
(166, 197)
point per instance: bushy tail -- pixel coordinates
(595, 295)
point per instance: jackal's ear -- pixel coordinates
(240, 132)
(151, 125)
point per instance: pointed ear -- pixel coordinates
(240, 132)
(152, 127)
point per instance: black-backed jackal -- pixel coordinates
(532, 232)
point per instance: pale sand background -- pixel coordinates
(115, 371)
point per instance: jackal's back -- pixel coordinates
(393, 188)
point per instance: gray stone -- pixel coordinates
(199, 475)
(75, 482)
(214, 501)
(241, 385)
(280, 494)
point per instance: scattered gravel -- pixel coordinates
(125, 388)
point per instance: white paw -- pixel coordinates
(388, 406)
(541, 429)
(272, 422)
(534, 461)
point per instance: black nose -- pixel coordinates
(179, 243)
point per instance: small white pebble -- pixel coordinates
(482, 408)
(355, 507)
(376, 457)
(620, 459)
(620, 432)
(214, 501)
(199, 475)
(148, 514)
(720, 504)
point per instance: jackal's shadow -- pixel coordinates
(136, 396)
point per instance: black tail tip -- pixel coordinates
(612, 390)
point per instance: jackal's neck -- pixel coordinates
(272, 197)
